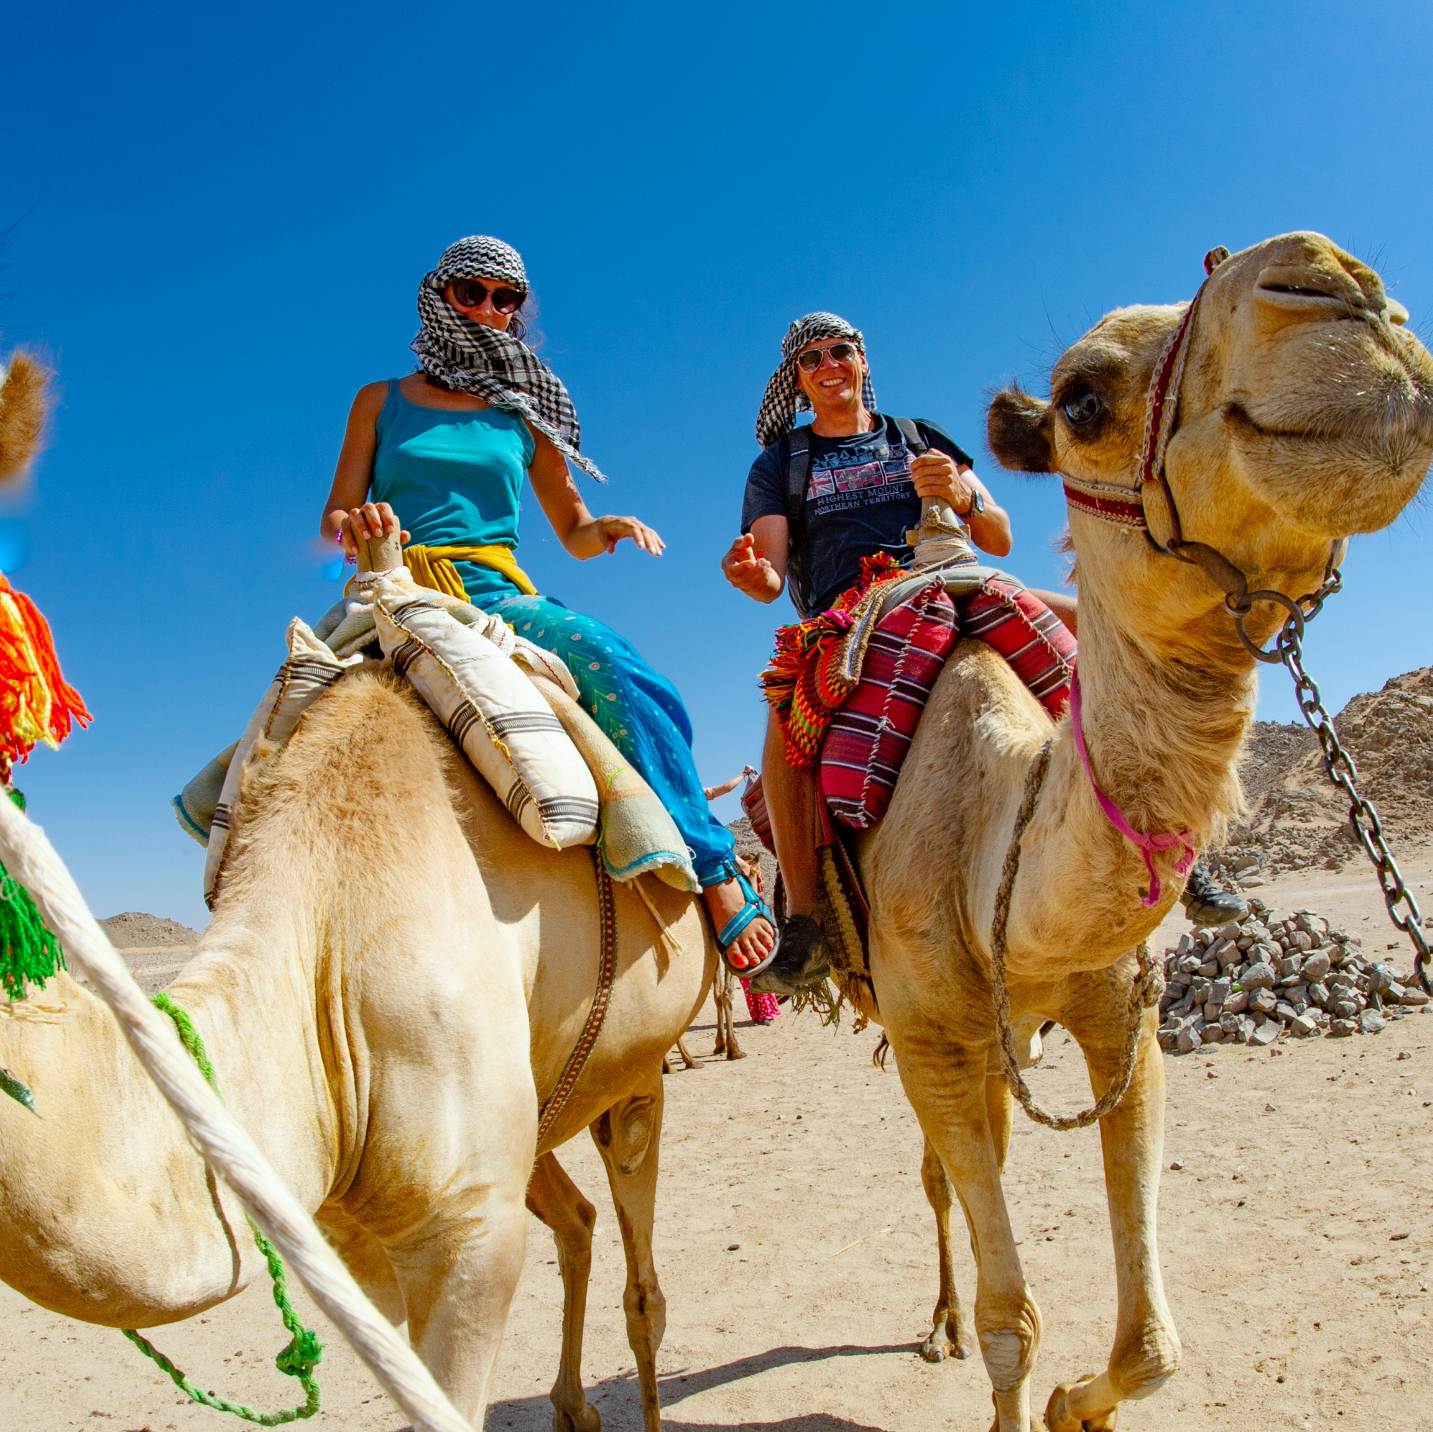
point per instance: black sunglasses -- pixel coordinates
(469, 293)
(812, 358)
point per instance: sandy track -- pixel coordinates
(1295, 1307)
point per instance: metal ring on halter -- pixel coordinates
(1246, 606)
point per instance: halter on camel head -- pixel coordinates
(1150, 508)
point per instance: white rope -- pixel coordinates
(235, 1157)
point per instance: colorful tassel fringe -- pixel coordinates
(29, 953)
(36, 702)
(801, 684)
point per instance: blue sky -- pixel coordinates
(220, 215)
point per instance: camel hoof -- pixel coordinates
(588, 1420)
(940, 1345)
(1058, 1417)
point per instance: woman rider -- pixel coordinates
(447, 448)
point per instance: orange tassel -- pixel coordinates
(36, 702)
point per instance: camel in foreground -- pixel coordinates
(393, 980)
(1305, 415)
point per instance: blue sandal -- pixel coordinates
(755, 908)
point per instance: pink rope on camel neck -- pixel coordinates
(1147, 844)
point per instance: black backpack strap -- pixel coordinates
(911, 435)
(798, 476)
(798, 472)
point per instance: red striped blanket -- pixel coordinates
(870, 734)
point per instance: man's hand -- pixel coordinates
(936, 475)
(749, 571)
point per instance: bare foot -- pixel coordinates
(755, 942)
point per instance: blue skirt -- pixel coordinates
(638, 710)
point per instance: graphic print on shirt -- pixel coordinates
(859, 476)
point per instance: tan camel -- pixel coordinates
(395, 976)
(1305, 415)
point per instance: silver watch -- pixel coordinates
(977, 504)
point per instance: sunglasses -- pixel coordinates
(469, 293)
(812, 358)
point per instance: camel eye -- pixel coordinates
(1083, 408)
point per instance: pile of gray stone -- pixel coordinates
(1278, 973)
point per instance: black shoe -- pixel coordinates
(803, 959)
(1206, 904)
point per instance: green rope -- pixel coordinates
(29, 953)
(304, 1349)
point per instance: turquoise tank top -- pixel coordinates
(453, 478)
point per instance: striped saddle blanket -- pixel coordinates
(904, 653)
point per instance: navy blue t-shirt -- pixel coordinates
(860, 500)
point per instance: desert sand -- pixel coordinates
(1299, 1300)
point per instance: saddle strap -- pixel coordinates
(597, 1015)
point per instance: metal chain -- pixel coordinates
(1362, 817)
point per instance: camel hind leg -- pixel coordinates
(628, 1137)
(950, 1328)
(559, 1203)
(950, 1331)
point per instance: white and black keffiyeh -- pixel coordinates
(486, 362)
(784, 395)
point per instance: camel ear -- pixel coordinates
(1017, 427)
(24, 405)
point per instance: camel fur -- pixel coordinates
(1306, 415)
(393, 979)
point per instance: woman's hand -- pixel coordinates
(364, 524)
(748, 570)
(611, 530)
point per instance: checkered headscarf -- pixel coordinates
(784, 395)
(486, 362)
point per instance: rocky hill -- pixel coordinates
(1297, 818)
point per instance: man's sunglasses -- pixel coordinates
(469, 293)
(812, 358)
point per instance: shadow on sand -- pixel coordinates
(619, 1401)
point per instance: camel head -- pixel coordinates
(24, 405)
(1303, 413)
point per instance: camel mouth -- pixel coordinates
(1314, 290)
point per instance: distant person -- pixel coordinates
(448, 448)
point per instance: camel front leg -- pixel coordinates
(628, 1137)
(948, 1089)
(555, 1199)
(458, 1270)
(1147, 1350)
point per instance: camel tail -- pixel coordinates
(24, 406)
(28, 855)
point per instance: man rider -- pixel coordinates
(862, 493)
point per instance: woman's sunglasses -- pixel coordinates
(469, 293)
(812, 358)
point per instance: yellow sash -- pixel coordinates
(433, 567)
